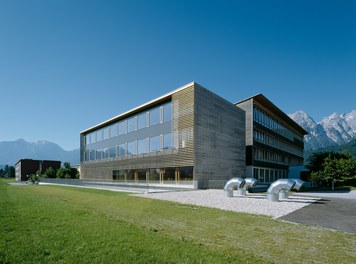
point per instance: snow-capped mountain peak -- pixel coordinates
(303, 119)
(336, 129)
(351, 120)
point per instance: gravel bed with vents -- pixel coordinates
(251, 203)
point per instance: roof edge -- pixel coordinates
(140, 106)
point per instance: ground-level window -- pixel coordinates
(186, 174)
(269, 175)
(141, 175)
(169, 175)
(154, 175)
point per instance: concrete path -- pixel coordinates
(336, 210)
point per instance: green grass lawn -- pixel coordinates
(53, 224)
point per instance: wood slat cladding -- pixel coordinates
(180, 156)
(208, 134)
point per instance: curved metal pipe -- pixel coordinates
(298, 184)
(277, 186)
(249, 183)
(284, 194)
(229, 186)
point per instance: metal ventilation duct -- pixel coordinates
(284, 194)
(234, 182)
(249, 183)
(277, 186)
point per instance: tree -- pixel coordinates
(49, 173)
(317, 159)
(316, 177)
(331, 167)
(8, 171)
(336, 169)
(11, 172)
(67, 172)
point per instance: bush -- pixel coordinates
(33, 179)
(49, 173)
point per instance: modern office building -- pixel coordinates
(189, 136)
(26, 167)
(274, 142)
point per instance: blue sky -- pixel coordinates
(68, 65)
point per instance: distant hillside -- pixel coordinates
(349, 147)
(12, 151)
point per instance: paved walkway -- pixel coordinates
(330, 194)
(336, 210)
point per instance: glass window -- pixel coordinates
(98, 154)
(113, 130)
(112, 152)
(167, 141)
(255, 173)
(92, 154)
(141, 121)
(154, 175)
(87, 139)
(141, 175)
(154, 116)
(186, 174)
(122, 127)
(131, 124)
(105, 153)
(169, 175)
(155, 143)
(132, 148)
(115, 175)
(262, 175)
(267, 176)
(130, 176)
(99, 135)
(92, 137)
(106, 133)
(121, 175)
(142, 146)
(167, 112)
(121, 150)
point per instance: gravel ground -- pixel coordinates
(252, 203)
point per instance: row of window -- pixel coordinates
(156, 175)
(272, 157)
(136, 147)
(263, 118)
(142, 120)
(270, 140)
(268, 175)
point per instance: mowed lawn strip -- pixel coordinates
(47, 224)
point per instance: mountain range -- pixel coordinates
(330, 133)
(13, 151)
(334, 130)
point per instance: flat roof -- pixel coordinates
(138, 108)
(260, 98)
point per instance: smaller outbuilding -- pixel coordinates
(26, 167)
